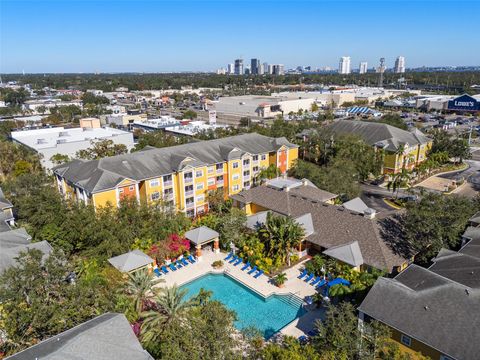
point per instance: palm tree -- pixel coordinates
(281, 234)
(339, 290)
(398, 181)
(170, 306)
(140, 287)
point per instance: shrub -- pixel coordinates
(217, 264)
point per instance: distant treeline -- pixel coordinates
(453, 82)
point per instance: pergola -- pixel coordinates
(201, 236)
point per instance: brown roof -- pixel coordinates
(333, 225)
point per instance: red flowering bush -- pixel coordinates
(177, 244)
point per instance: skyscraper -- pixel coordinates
(230, 69)
(267, 69)
(363, 67)
(255, 66)
(278, 69)
(261, 69)
(239, 67)
(344, 65)
(400, 65)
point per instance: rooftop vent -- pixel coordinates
(63, 134)
(41, 141)
(369, 213)
(61, 141)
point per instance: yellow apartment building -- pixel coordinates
(181, 176)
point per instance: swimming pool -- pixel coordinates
(268, 315)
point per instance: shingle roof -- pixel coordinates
(386, 136)
(4, 203)
(130, 261)
(201, 235)
(106, 173)
(13, 242)
(108, 336)
(357, 205)
(462, 266)
(333, 225)
(430, 308)
(350, 253)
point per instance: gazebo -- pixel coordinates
(131, 261)
(201, 236)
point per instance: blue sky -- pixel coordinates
(160, 36)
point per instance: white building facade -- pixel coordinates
(344, 65)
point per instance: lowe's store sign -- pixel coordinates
(464, 103)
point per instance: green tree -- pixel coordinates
(140, 287)
(38, 303)
(58, 159)
(189, 114)
(436, 221)
(102, 148)
(281, 234)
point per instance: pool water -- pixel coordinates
(268, 315)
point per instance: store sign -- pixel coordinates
(464, 103)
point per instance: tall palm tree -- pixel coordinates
(170, 306)
(140, 287)
(281, 234)
(398, 180)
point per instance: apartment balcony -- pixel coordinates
(189, 193)
(247, 177)
(190, 205)
(168, 183)
(219, 171)
(167, 197)
(188, 180)
(220, 183)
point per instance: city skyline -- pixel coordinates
(118, 36)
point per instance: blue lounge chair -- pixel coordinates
(246, 266)
(235, 258)
(259, 274)
(191, 259)
(184, 262)
(310, 277)
(230, 254)
(171, 266)
(178, 264)
(253, 270)
(316, 281)
(157, 272)
(239, 261)
(322, 283)
(164, 269)
(304, 272)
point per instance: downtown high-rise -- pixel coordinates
(400, 65)
(344, 65)
(255, 66)
(239, 67)
(363, 68)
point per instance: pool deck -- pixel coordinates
(261, 285)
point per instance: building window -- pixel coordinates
(200, 198)
(255, 158)
(219, 167)
(235, 165)
(168, 192)
(255, 168)
(264, 157)
(211, 181)
(200, 186)
(235, 176)
(131, 187)
(246, 162)
(246, 184)
(200, 210)
(188, 176)
(210, 169)
(188, 189)
(120, 190)
(154, 183)
(155, 196)
(167, 180)
(235, 187)
(190, 201)
(406, 340)
(199, 173)
(191, 213)
(246, 173)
